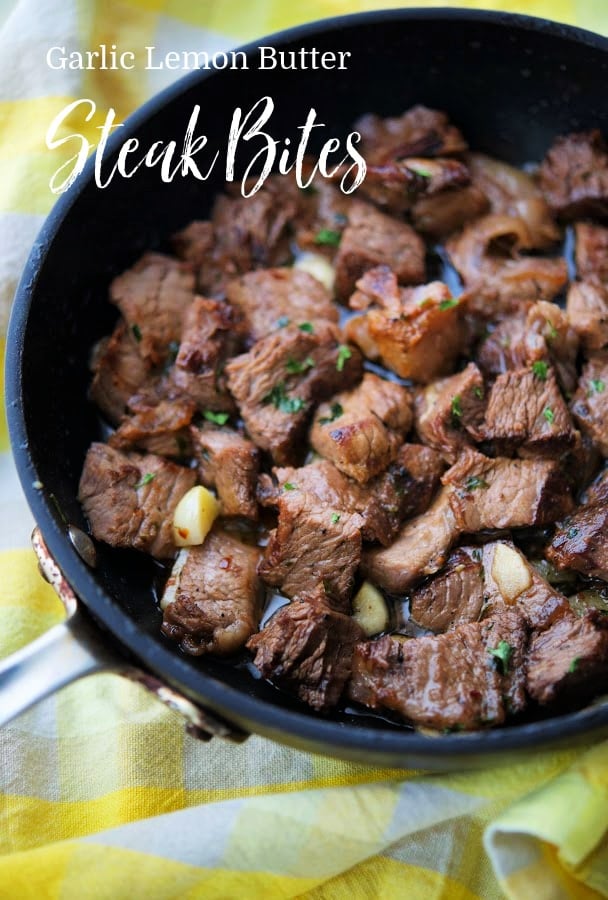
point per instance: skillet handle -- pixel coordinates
(75, 649)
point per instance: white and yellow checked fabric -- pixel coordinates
(102, 794)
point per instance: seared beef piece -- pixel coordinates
(283, 377)
(373, 239)
(527, 414)
(419, 131)
(395, 185)
(129, 499)
(504, 348)
(513, 192)
(588, 312)
(574, 175)
(153, 296)
(416, 332)
(361, 431)
(506, 493)
(197, 245)
(404, 490)
(451, 681)
(313, 546)
(569, 661)
(119, 371)
(500, 279)
(254, 230)
(213, 599)
(449, 412)
(156, 424)
(590, 402)
(453, 596)
(229, 463)
(325, 208)
(591, 251)
(581, 541)
(421, 548)
(440, 214)
(269, 297)
(212, 333)
(307, 648)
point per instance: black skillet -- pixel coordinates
(511, 83)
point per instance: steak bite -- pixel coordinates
(470, 678)
(500, 279)
(418, 333)
(157, 424)
(527, 414)
(453, 596)
(449, 412)
(153, 296)
(372, 239)
(569, 661)
(306, 648)
(269, 297)
(587, 310)
(313, 547)
(590, 402)
(419, 131)
(441, 214)
(591, 251)
(229, 463)
(212, 332)
(129, 499)
(574, 175)
(361, 431)
(421, 548)
(280, 380)
(581, 540)
(119, 371)
(212, 602)
(396, 185)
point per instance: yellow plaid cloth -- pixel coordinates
(102, 794)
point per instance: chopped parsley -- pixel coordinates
(540, 368)
(307, 327)
(448, 304)
(328, 237)
(344, 353)
(136, 332)
(596, 386)
(473, 483)
(574, 665)
(549, 415)
(336, 411)
(456, 406)
(148, 477)
(281, 401)
(551, 331)
(572, 532)
(295, 367)
(502, 654)
(283, 321)
(478, 391)
(289, 486)
(335, 518)
(218, 418)
(420, 170)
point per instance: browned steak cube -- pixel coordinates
(306, 648)
(416, 332)
(371, 239)
(211, 333)
(282, 378)
(419, 131)
(581, 541)
(213, 599)
(506, 493)
(157, 424)
(588, 312)
(590, 402)
(574, 175)
(569, 661)
(410, 482)
(197, 244)
(421, 548)
(499, 278)
(591, 251)
(449, 412)
(441, 214)
(229, 463)
(153, 296)
(453, 596)
(130, 499)
(362, 430)
(270, 298)
(313, 546)
(467, 679)
(527, 414)
(119, 371)
(394, 186)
